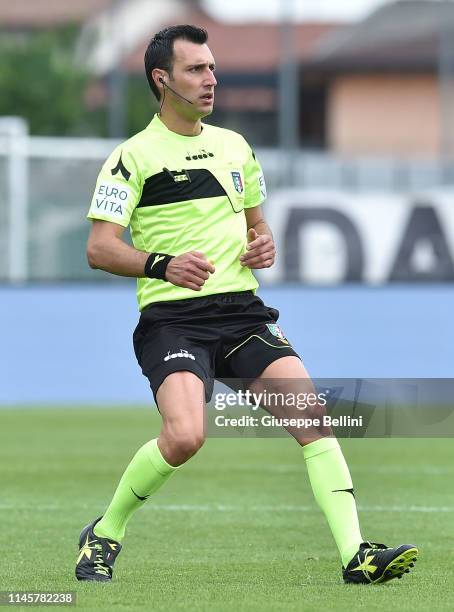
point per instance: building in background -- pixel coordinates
(387, 66)
(26, 16)
(395, 66)
(383, 84)
(248, 60)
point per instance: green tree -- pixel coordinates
(141, 104)
(40, 82)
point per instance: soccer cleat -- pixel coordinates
(96, 555)
(375, 563)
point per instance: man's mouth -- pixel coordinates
(208, 97)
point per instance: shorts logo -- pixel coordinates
(237, 182)
(277, 331)
(182, 353)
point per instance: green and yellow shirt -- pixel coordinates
(183, 193)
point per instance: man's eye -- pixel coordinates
(200, 68)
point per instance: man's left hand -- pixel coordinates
(260, 251)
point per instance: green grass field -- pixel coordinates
(235, 529)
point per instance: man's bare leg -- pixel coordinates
(181, 403)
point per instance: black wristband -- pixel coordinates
(156, 265)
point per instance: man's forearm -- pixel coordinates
(117, 257)
(262, 227)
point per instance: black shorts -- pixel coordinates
(228, 335)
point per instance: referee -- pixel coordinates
(191, 194)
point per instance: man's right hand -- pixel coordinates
(189, 270)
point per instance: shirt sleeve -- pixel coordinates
(255, 187)
(118, 189)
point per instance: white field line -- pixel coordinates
(383, 469)
(229, 508)
(423, 470)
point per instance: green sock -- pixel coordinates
(333, 490)
(147, 472)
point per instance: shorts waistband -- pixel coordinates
(227, 298)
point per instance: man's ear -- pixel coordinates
(158, 75)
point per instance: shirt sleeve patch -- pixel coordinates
(262, 185)
(110, 199)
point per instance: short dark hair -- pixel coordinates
(159, 53)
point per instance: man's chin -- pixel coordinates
(205, 109)
(206, 113)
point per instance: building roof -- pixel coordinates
(26, 14)
(404, 35)
(109, 37)
(243, 48)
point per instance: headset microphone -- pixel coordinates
(175, 92)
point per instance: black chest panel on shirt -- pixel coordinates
(168, 187)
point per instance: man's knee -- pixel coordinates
(188, 440)
(181, 401)
(180, 444)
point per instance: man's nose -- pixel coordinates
(211, 79)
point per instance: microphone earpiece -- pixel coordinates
(161, 80)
